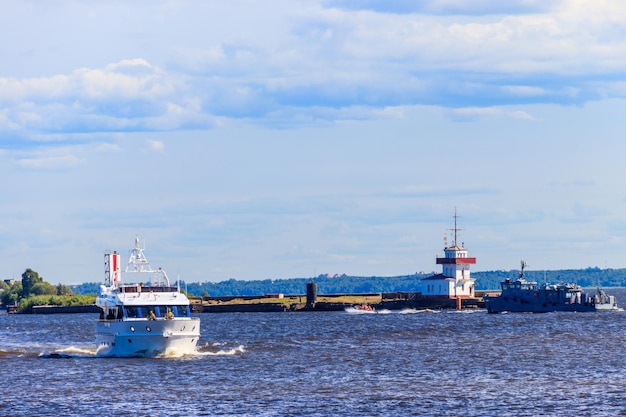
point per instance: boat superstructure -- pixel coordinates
(148, 318)
(529, 297)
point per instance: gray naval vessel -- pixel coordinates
(528, 297)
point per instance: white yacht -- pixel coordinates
(145, 319)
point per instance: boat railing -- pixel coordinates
(147, 288)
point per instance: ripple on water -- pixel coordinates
(330, 364)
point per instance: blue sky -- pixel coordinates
(275, 139)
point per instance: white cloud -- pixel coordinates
(332, 60)
(119, 80)
(139, 65)
(522, 115)
(156, 145)
(522, 90)
(49, 162)
(108, 147)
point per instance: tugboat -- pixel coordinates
(529, 297)
(147, 319)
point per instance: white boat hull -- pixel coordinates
(147, 338)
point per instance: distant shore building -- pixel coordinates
(455, 280)
(332, 276)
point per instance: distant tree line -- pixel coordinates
(34, 290)
(486, 280)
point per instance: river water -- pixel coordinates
(447, 363)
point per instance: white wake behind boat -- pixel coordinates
(145, 319)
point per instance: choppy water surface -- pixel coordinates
(328, 364)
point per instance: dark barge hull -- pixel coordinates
(497, 305)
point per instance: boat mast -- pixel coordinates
(137, 262)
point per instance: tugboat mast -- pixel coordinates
(521, 271)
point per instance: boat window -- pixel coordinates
(149, 311)
(112, 312)
(181, 311)
(167, 312)
(157, 311)
(131, 312)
